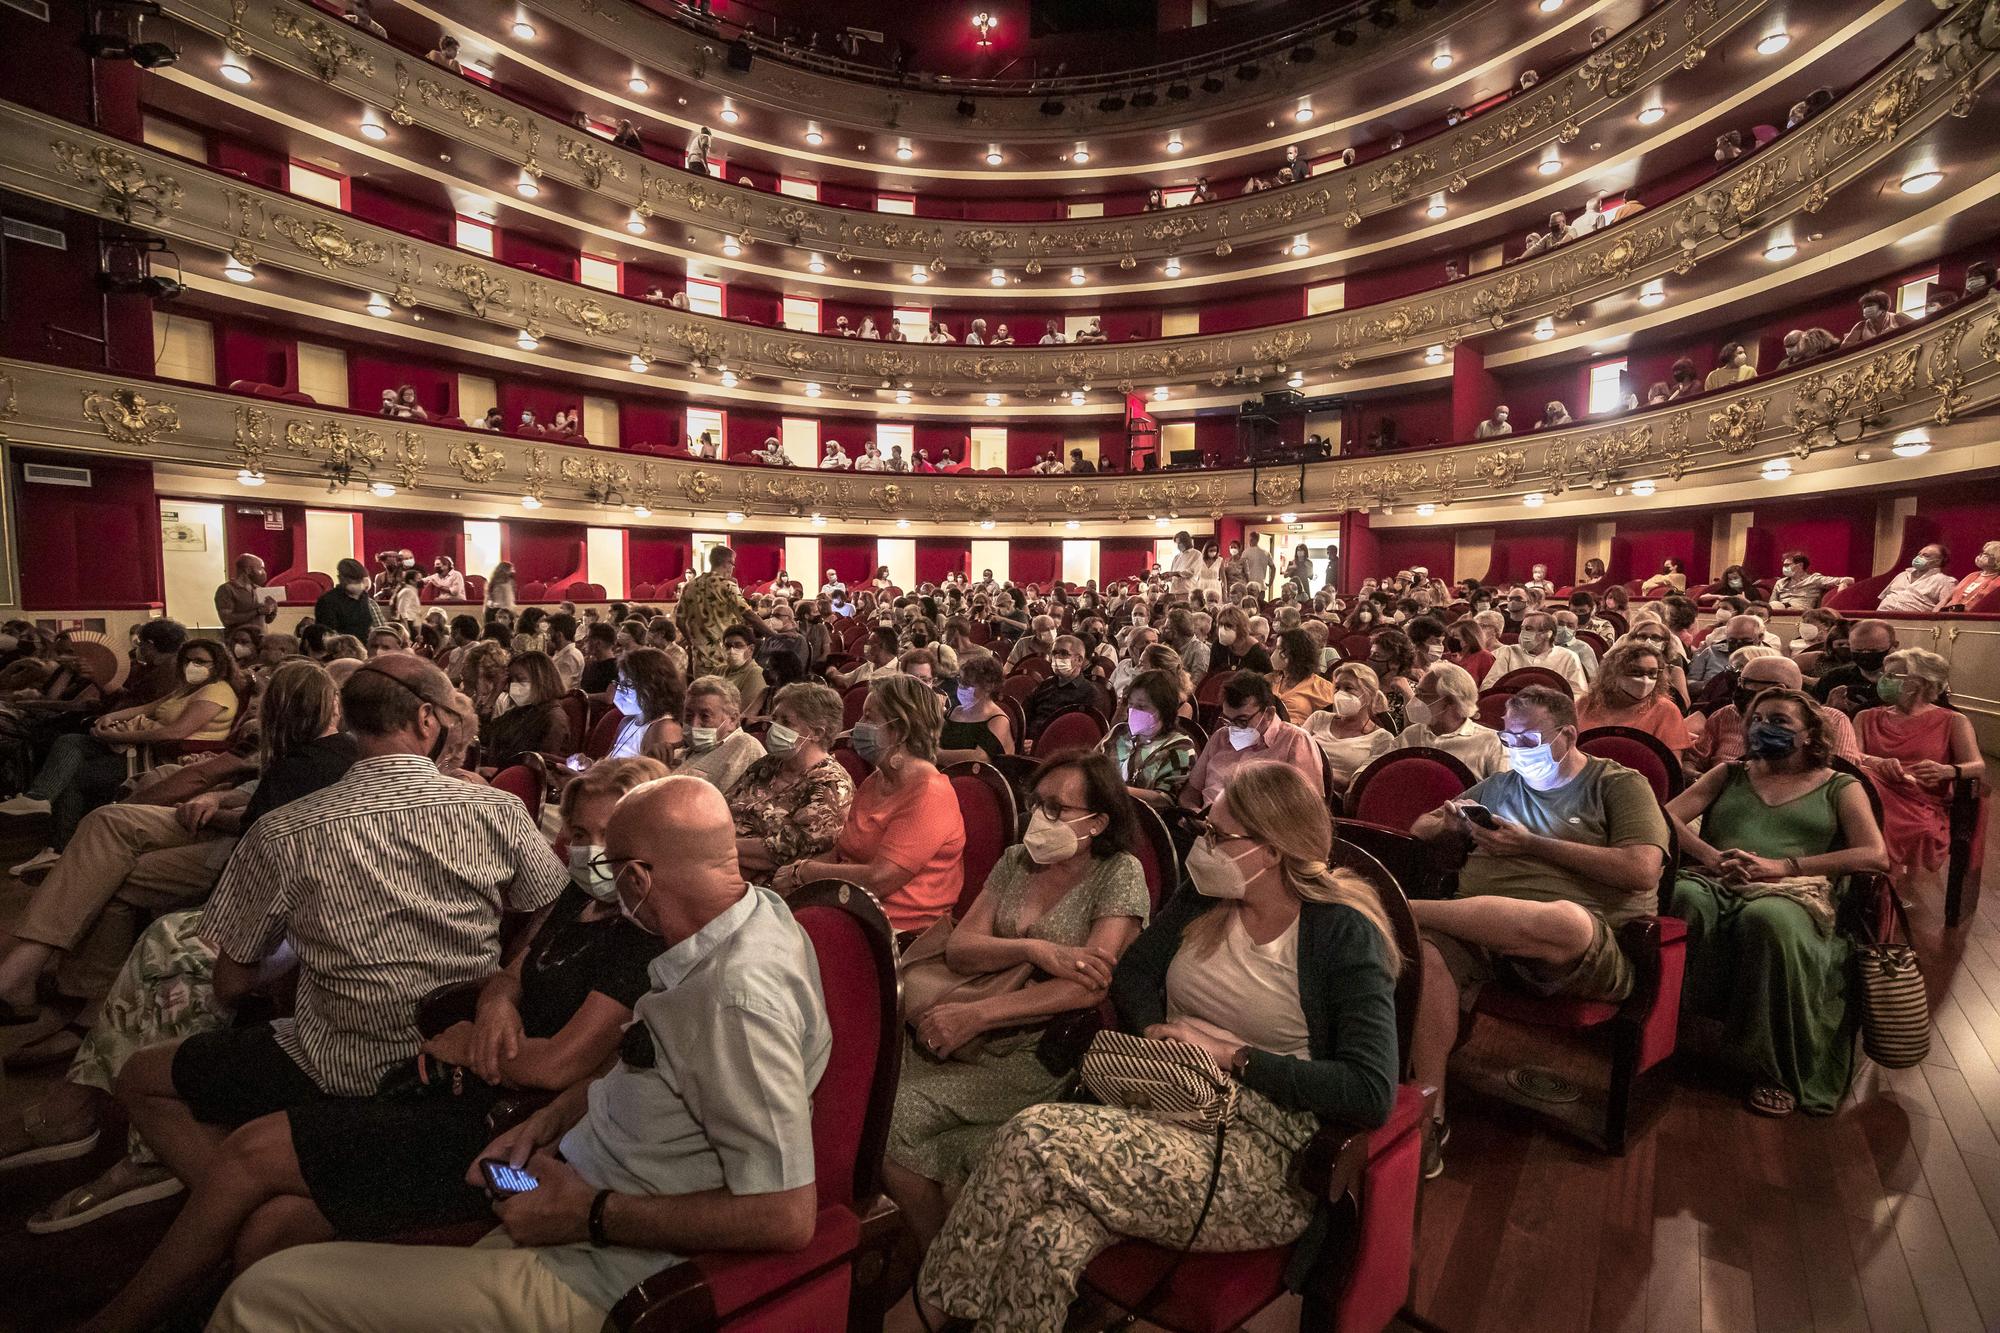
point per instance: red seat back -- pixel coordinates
(523, 782)
(850, 759)
(851, 1105)
(1493, 708)
(1158, 859)
(604, 735)
(1074, 732)
(1018, 687)
(576, 708)
(992, 823)
(1402, 785)
(1522, 677)
(1639, 751)
(851, 704)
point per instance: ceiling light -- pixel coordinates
(1549, 6)
(1774, 43)
(819, 520)
(1652, 115)
(728, 379)
(993, 400)
(233, 70)
(1160, 394)
(530, 502)
(1298, 379)
(1441, 61)
(813, 137)
(816, 265)
(248, 478)
(1282, 518)
(904, 152)
(993, 157)
(729, 116)
(527, 187)
(1076, 400)
(1777, 469)
(902, 397)
(372, 131)
(1304, 113)
(1081, 154)
(1436, 210)
(1426, 510)
(1922, 182)
(1551, 164)
(379, 307)
(1174, 145)
(1778, 251)
(382, 489)
(999, 278)
(733, 516)
(236, 270)
(1174, 267)
(637, 83)
(1299, 245)
(1644, 486)
(920, 274)
(812, 388)
(986, 525)
(524, 30)
(902, 525)
(1653, 293)
(731, 247)
(640, 511)
(1545, 330)
(527, 342)
(1159, 523)
(1434, 355)
(636, 224)
(1911, 444)
(1533, 499)
(638, 364)
(1072, 525)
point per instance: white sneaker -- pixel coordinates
(24, 805)
(43, 860)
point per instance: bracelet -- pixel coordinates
(1792, 865)
(597, 1236)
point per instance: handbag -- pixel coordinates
(928, 981)
(1895, 1011)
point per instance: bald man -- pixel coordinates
(700, 1138)
(1721, 741)
(239, 603)
(1737, 632)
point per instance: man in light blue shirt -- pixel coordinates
(699, 1139)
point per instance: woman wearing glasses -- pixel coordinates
(1630, 690)
(1069, 899)
(1279, 967)
(377, 1167)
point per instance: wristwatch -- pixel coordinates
(597, 1236)
(1240, 1061)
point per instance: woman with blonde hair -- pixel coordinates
(1346, 730)
(1650, 630)
(1236, 647)
(485, 672)
(500, 587)
(904, 840)
(1914, 749)
(1278, 967)
(1630, 690)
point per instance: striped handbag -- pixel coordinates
(1166, 1080)
(1895, 1011)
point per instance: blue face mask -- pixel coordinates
(1767, 740)
(867, 741)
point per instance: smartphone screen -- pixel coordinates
(1478, 814)
(506, 1178)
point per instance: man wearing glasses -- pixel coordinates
(1565, 848)
(1250, 729)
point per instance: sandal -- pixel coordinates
(48, 1143)
(89, 1202)
(1772, 1101)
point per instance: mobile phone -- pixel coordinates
(503, 1178)
(576, 763)
(1478, 814)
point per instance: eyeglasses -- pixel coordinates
(1520, 740)
(1053, 809)
(608, 866)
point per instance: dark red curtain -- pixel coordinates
(95, 546)
(657, 555)
(1034, 560)
(939, 556)
(542, 552)
(851, 559)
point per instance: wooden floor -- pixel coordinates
(1884, 1217)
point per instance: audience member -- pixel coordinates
(977, 727)
(708, 608)
(1671, 578)
(1631, 691)
(1536, 647)
(1444, 715)
(347, 607)
(529, 718)
(1802, 587)
(718, 750)
(1249, 730)
(1153, 756)
(1924, 586)
(792, 803)
(1878, 320)
(1347, 731)
(1496, 426)
(1742, 631)
(1066, 689)
(1295, 677)
(240, 602)
(1915, 749)
(648, 693)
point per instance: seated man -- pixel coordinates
(1537, 648)
(1741, 631)
(685, 1145)
(386, 885)
(1249, 729)
(1065, 691)
(1923, 587)
(1721, 741)
(1802, 588)
(1575, 851)
(1854, 685)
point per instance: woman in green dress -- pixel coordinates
(1068, 898)
(1779, 830)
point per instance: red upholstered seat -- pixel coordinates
(992, 822)
(1402, 785)
(644, 592)
(1034, 664)
(534, 592)
(475, 587)
(1018, 687)
(604, 735)
(1493, 708)
(1522, 677)
(850, 759)
(1074, 732)
(522, 781)
(1640, 751)
(851, 704)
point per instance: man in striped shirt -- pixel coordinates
(385, 886)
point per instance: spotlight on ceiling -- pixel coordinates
(1051, 107)
(638, 84)
(153, 55)
(1213, 84)
(1111, 102)
(1249, 70)
(524, 30)
(1345, 35)
(966, 108)
(1304, 53)
(1145, 97)
(1179, 92)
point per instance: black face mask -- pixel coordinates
(1744, 695)
(1731, 645)
(1870, 660)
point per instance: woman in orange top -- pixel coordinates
(1630, 691)
(904, 840)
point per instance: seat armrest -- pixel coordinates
(457, 1002)
(708, 1288)
(1335, 1160)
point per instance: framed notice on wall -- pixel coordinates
(176, 535)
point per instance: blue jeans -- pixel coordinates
(66, 759)
(81, 773)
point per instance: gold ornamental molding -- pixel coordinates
(1797, 176)
(412, 92)
(1818, 416)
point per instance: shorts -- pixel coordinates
(1602, 973)
(234, 1076)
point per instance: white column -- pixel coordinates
(989, 554)
(482, 544)
(334, 535)
(900, 555)
(800, 437)
(802, 562)
(604, 560)
(1079, 561)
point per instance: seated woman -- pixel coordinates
(84, 772)
(793, 802)
(718, 749)
(1235, 647)
(1281, 969)
(904, 840)
(1914, 749)
(485, 681)
(529, 716)
(1630, 690)
(1650, 632)
(1444, 715)
(1778, 830)
(1671, 578)
(1392, 656)
(367, 1168)
(1069, 898)
(977, 726)
(739, 652)
(1152, 755)
(648, 695)
(1346, 731)
(1295, 676)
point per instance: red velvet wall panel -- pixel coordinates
(283, 550)
(852, 559)
(1390, 283)
(544, 400)
(88, 546)
(1123, 558)
(1400, 548)
(1475, 390)
(1026, 443)
(1420, 418)
(1649, 539)
(1034, 560)
(1519, 547)
(368, 375)
(652, 427)
(1254, 311)
(657, 555)
(846, 196)
(856, 311)
(640, 279)
(556, 261)
(243, 353)
(1114, 449)
(1529, 391)
(426, 536)
(939, 556)
(1125, 325)
(940, 438)
(1967, 517)
(758, 558)
(1360, 551)
(370, 203)
(256, 164)
(48, 290)
(744, 303)
(1837, 533)
(62, 75)
(542, 552)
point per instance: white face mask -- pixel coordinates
(1434, 650)
(1537, 766)
(1225, 636)
(356, 586)
(781, 739)
(1919, 563)
(194, 673)
(1346, 703)
(1811, 633)
(1049, 840)
(1416, 712)
(242, 651)
(593, 880)
(703, 739)
(521, 692)
(626, 700)
(1063, 666)
(1216, 874)
(1534, 641)
(1244, 737)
